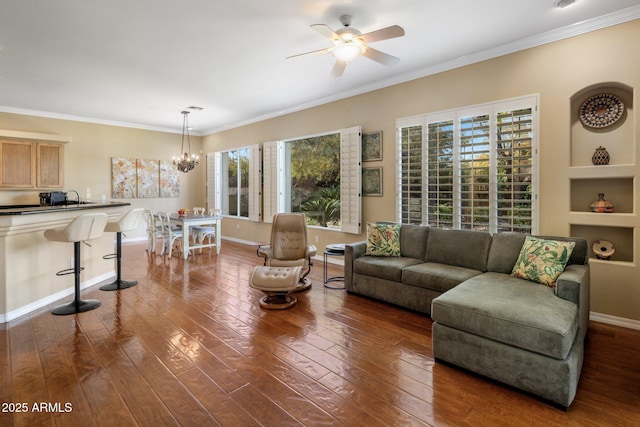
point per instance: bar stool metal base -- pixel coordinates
(118, 284)
(76, 307)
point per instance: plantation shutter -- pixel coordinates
(514, 170)
(477, 168)
(214, 182)
(440, 174)
(255, 160)
(473, 176)
(410, 179)
(272, 165)
(350, 179)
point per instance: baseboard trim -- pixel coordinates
(614, 320)
(6, 317)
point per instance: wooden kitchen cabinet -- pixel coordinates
(31, 164)
(49, 165)
(18, 164)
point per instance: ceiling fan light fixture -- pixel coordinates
(347, 51)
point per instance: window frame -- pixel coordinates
(274, 179)
(421, 178)
(215, 181)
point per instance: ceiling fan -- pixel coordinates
(349, 43)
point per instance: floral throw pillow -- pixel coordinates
(542, 260)
(383, 239)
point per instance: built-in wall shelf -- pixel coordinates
(619, 191)
(611, 263)
(603, 219)
(621, 237)
(616, 180)
(603, 171)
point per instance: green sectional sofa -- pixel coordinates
(525, 334)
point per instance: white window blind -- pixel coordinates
(350, 179)
(214, 195)
(255, 186)
(480, 167)
(272, 169)
(440, 171)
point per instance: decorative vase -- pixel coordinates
(601, 205)
(600, 156)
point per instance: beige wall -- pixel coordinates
(555, 71)
(87, 160)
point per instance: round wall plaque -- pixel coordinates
(601, 110)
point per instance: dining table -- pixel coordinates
(189, 220)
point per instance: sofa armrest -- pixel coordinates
(574, 284)
(352, 251)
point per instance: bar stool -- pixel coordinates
(127, 222)
(84, 227)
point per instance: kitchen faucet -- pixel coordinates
(77, 195)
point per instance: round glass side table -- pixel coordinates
(336, 249)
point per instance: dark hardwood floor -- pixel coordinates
(189, 345)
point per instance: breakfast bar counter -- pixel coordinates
(28, 261)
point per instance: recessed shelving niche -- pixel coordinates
(621, 237)
(618, 191)
(617, 139)
(617, 179)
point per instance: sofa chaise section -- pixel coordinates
(521, 333)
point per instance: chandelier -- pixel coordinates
(186, 161)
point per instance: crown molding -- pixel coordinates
(93, 120)
(583, 27)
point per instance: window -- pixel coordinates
(233, 184)
(312, 172)
(470, 168)
(235, 176)
(318, 175)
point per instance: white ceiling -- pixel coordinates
(139, 63)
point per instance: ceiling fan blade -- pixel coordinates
(312, 53)
(383, 34)
(338, 69)
(326, 31)
(378, 56)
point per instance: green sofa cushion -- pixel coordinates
(384, 267)
(413, 240)
(512, 311)
(439, 277)
(464, 248)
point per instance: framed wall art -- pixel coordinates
(123, 178)
(148, 178)
(169, 180)
(143, 178)
(372, 181)
(372, 146)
